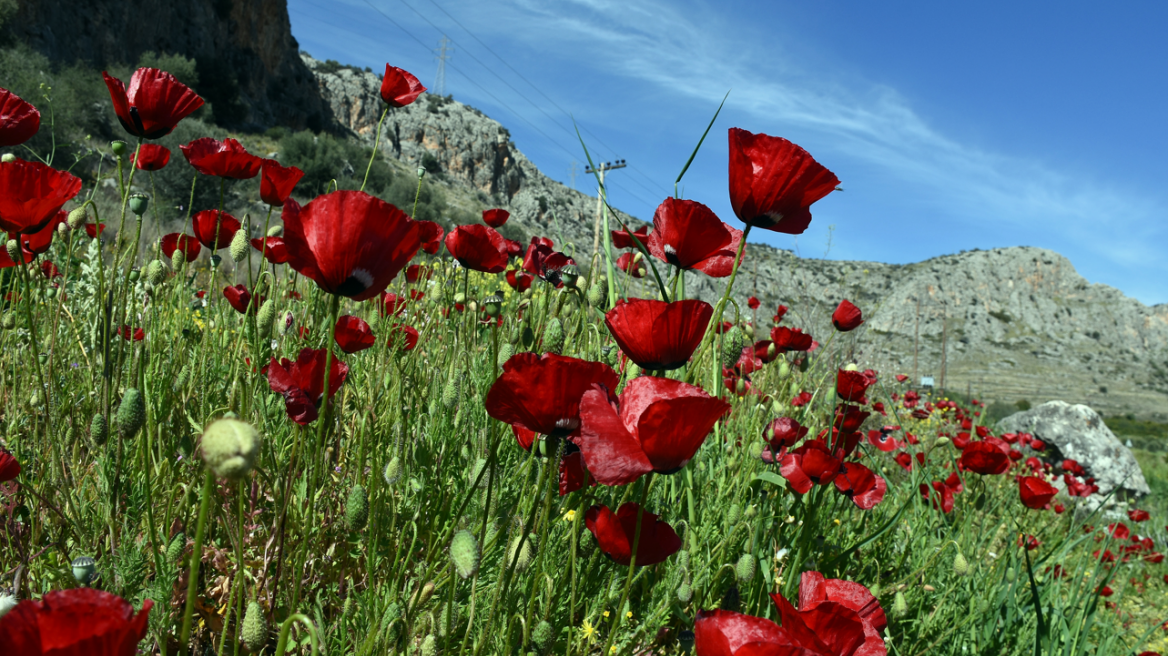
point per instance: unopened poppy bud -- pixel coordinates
(543, 637)
(505, 353)
(155, 272)
(286, 322)
(570, 274)
(76, 218)
(750, 512)
(254, 630)
(119, 148)
(899, 605)
(459, 298)
(84, 569)
(684, 593)
(175, 548)
(464, 553)
(734, 514)
(62, 229)
(131, 413)
(526, 552)
(239, 246)
(851, 366)
(732, 343)
(875, 589)
(265, 317)
(177, 259)
(1010, 575)
(942, 441)
(423, 595)
(745, 568)
(7, 157)
(597, 293)
(960, 565)
(230, 448)
(784, 369)
(138, 204)
(98, 430)
(450, 391)
(740, 386)
(553, 336)
(430, 644)
(393, 471)
(275, 230)
(357, 509)
(493, 305)
(13, 248)
(9, 321)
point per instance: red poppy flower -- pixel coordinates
(1106, 591)
(431, 237)
(277, 182)
(301, 383)
(1119, 530)
(790, 339)
(349, 242)
(858, 483)
(943, 497)
(520, 282)
(93, 230)
(624, 238)
(240, 299)
(1138, 515)
(273, 248)
(1037, 445)
(391, 304)
(766, 351)
(773, 182)
(31, 194)
(352, 334)
(478, 248)
(985, 458)
(784, 432)
(399, 87)
(851, 385)
(151, 157)
(155, 102)
(811, 463)
(225, 159)
(753, 303)
(514, 248)
(19, 120)
(573, 475)
(632, 264)
(658, 335)
(403, 336)
(76, 622)
(49, 270)
(542, 393)
(828, 595)
(657, 424)
(177, 241)
(616, 532)
(689, 235)
(727, 633)
(1035, 492)
(496, 217)
(416, 273)
(215, 229)
(9, 467)
(40, 241)
(541, 260)
(846, 317)
(127, 333)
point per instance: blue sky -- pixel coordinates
(951, 127)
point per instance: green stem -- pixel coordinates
(286, 628)
(196, 559)
(376, 142)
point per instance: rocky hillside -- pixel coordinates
(1007, 324)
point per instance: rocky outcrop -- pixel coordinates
(248, 61)
(1078, 432)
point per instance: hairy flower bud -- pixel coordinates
(543, 637)
(684, 593)
(175, 548)
(393, 471)
(230, 448)
(254, 630)
(98, 430)
(239, 246)
(464, 553)
(357, 509)
(265, 317)
(131, 413)
(745, 568)
(553, 336)
(275, 230)
(960, 565)
(526, 553)
(899, 605)
(155, 272)
(13, 248)
(76, 218)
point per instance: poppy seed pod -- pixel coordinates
(84, 569)
(98, 430)
(357, 509)
(570, 274)
(254, 631)
(131, 413)
(553, 336)
(745, 568)
(393, 471)
(239, 246)
(230, 448)
(138, 204)
(76, 218)
(493, 305)
(119, 148)
(464, 553)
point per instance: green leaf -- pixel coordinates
(772, 478)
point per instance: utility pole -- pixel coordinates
(573, 171)
(602, 211)
(440, 78)
(944, 344)
(916, 343)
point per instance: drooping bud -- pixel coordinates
(526, 553)
(960, 565)
(423, 595)
(8, 322)
(684, 593)
(598, 292)
(13, 248)
(230, 448)
(76, 218)
(745, 568)
(464, 553)
(734, 514)
(553, 336)
(286, 321)
(175, 548)
(255, 628)
(732, 343)
(1010, 574)
(430, 644)
(131, 413)
(543, 637)
(450, 391)
(155, 272)
(7, 157)
(98, 430)
(899, 605)
(239, 246)
(393, 471)
(357, 509)
(275, 230)
(265, 317)
(505, 353)
(138, 204)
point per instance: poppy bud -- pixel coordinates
(76, 218)
(7, 157)
(683, 559)
(745, 568)
(175, 548)
(804, 363)
(750, 512)
(740, 386)
(84, 569)
(131, 413)
(357, 509)
(275, 230)
(138, 204)
(732, 343)
(553, 336)
(543, 637)
(1010, 575)
(230, 448)
(493, 305)
(960, 565)
(450, 391)
(134, 275)
(255, 628)
(464, 553)
(610, 355)
(239, 246)
(684, 593)
(942, 441)
(264, 318)
(9, 321)
(570, 274)
(286, 322)
(875, 589)
(62, 229)
(13, 248)
(119, 148)
(505, 353)
(98, 430)
(423, 595)
(598, 292)
(393, 471)
(730, 600)
(472, 307)
(155, 272)
(460, 299)
(899, 605)
(734, 514)
(526, 554)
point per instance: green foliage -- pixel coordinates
(183, 68)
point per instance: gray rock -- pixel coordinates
(1078, 432)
